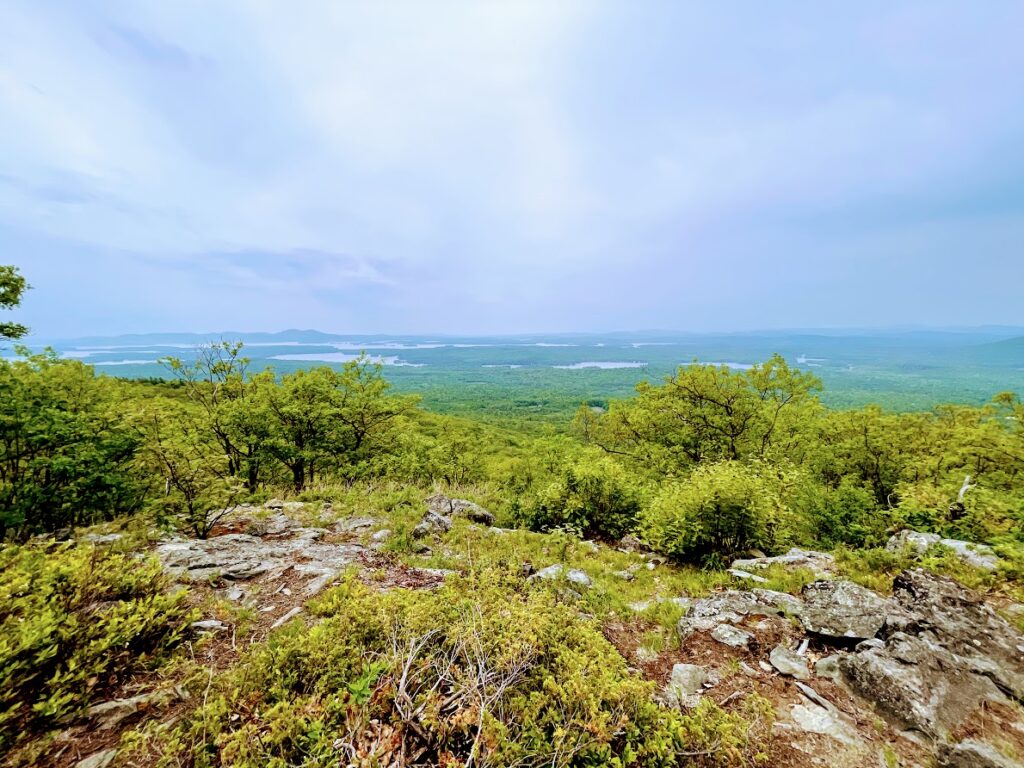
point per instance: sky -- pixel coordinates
(478, 167)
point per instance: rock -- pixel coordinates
(102, 539)
(918, 684)
(816, 719)
(631, 544)
(977, 555)
(842, 609)
(731, 636)
(446, 507)
(573, 575)
(973, 754)
(828, 667)
(108, 714)
(821, 563)
(240, 556)
(624, 575)
(745, 576)
(353, 524)
(685, 685)
(732, 605)
(432, 523)
(234, 594)
(939, 610)
(209, 625)
(789, 662)
(381, 536)
(98, 759)
(291, 614)
(274, 504)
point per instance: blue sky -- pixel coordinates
(510, 167)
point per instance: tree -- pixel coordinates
(327, 419)
(12, 287)
(218, 381)
(198, 484)
(707, 413)
(66, 454)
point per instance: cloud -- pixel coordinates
(531, 164)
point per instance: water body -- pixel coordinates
(603, 364)
(342, 357)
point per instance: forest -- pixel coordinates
(701, 467)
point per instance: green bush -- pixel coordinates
(718, 511)
(74, 622)
(595, 497)
(480, 671)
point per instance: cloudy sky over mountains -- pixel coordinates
(511, 166)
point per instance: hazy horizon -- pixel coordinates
(511, 168)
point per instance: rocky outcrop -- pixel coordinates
(943, 655)
(842, 609)
(243, 556)
(977, 555)
(929, 659)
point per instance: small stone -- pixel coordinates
(98, 759)
(789, 662)
(731, 636)
(234, 594)
(287, 617)
(624, 575)
(745, 576)
(209, 625)
(102, 539)
(381, 536)
(274, 504)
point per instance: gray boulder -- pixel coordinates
(432, 523)
(977, 555)
(732, 605)
(918, 684)
(447, 507)
(842, 609)
(557, 571)
(685, 685)
(942, 612)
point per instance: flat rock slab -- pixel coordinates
(842, 609)
(241, 556)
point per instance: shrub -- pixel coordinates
(593, 497)
(720, 510)
(74, 622)
(480, 671)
